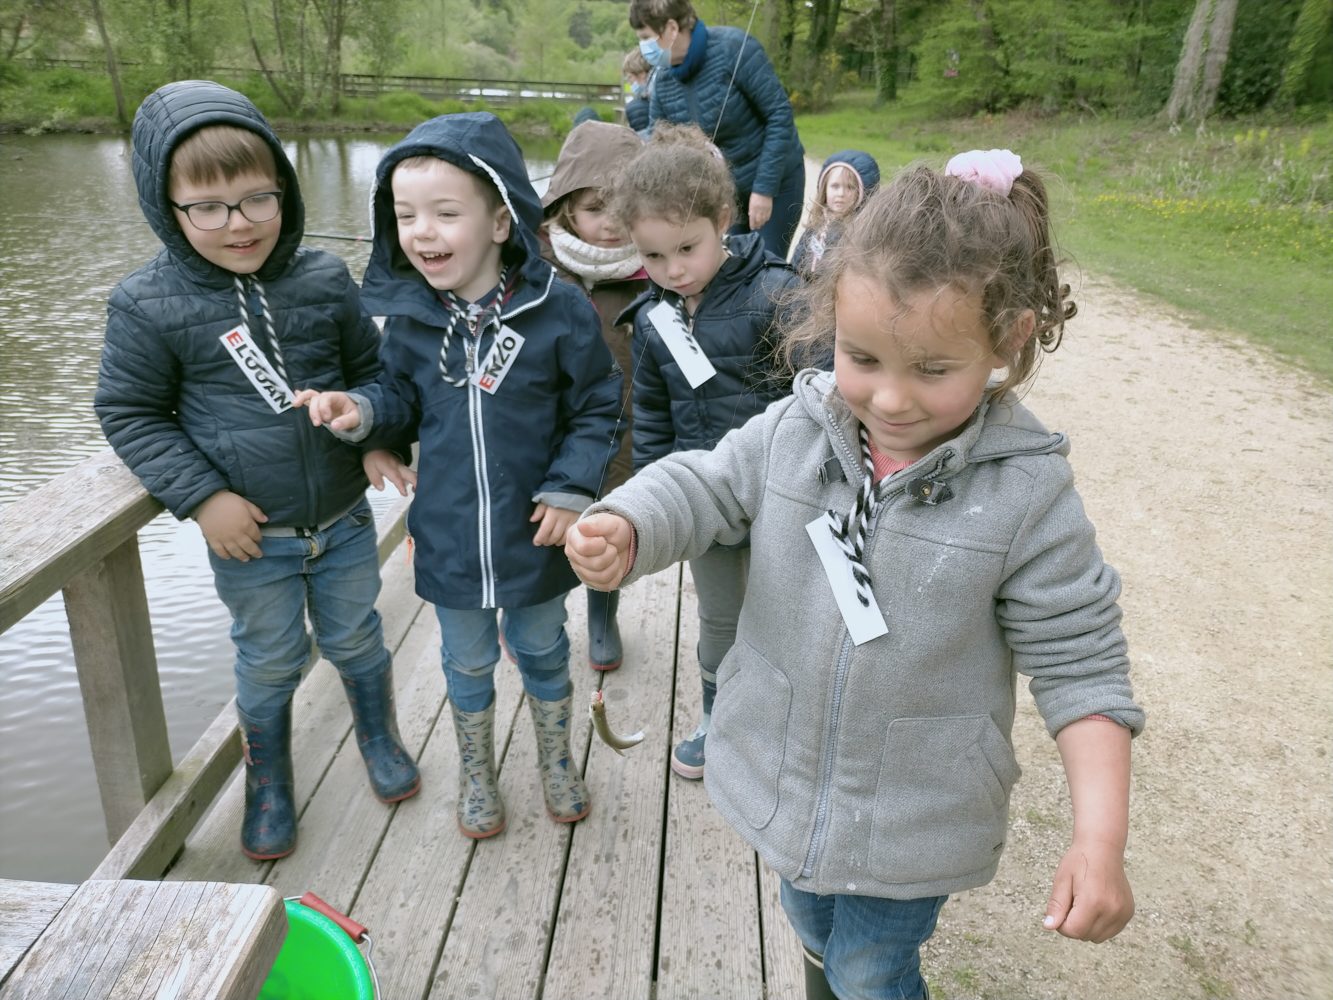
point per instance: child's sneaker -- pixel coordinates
(687, 759)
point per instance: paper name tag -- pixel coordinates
(693, 362)
(863, 622)
(252, 362)
(499, 359)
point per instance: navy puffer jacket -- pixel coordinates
(736, 325)
(548, 431)
(174, 403)
(750, 119)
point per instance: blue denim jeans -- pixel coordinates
(333, 576)
(871, 946)
(470, 647)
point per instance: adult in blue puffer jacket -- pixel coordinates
(721, 80)
(204, 346)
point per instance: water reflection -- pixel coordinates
(72, 230)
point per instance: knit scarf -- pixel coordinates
(591, 263)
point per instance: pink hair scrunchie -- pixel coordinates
(994, 169)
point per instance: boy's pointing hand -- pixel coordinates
(337, 409)
(598, 547)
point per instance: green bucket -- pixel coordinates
(318, 961)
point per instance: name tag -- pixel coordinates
(863, 622)
(499, 359)
(694, 363)
(252, 362)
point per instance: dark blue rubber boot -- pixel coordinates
(393, 773)
(604, 649)
(268, 829)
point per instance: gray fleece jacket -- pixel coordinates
(885, 769)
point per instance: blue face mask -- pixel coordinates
(657, 57)
(638, 89)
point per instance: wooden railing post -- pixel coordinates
(122, 700)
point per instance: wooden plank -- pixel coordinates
(320, 723)
(146, 849)
(784, 972)
(26, 908)
(126, 939)
(112, 638)
(497, 944)
(63, 527)
(416, 878)
(344, 822)
(607, 923)
(709, 944)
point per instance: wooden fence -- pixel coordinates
(79, 534)
(436, 88)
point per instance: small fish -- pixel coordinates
(597, 710)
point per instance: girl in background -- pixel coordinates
(845, 181)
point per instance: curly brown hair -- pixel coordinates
(678, 175)
(926, 231)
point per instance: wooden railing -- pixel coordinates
(438, 88)
(79, 534)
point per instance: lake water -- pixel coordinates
(72, 229)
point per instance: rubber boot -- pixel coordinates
(268, 829)
(816, 985)
(393, 773)
(562, 785)
(481, 811)
(687, 759)
(604, 649)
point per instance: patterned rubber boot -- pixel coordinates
(816, 985)
(604, 649)
(268, 829)
(687, 759)
(393, 774)
(562, 785)
(481, 811)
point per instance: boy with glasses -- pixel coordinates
(205, 345)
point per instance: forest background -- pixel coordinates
(1190, 141)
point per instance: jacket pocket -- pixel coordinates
(942, 801)
(749, 732)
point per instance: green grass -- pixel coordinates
(1233, 225)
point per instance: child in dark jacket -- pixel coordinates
(704, 337)
(500, 372)
(203, 346)
(588, 247)
(846, 180)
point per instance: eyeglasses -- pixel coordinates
(210, 215)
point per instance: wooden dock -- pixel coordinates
(650, 896)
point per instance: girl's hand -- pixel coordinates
(598, 548)
(761, 210)
(337, 409)
(381, 465)
(555, 521)
(1091, 899)
(230, 524)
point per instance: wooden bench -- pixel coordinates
(113, 939)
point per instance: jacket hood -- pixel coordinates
(593, 154)
(164, 119)
(476, 142)
(1001, 428)
(865, 165)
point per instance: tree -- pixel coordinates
(1312, 29)
(1203, 57)
(112, 67)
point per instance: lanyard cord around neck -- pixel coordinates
(477, 317)
(278, 362)
(849, 530)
